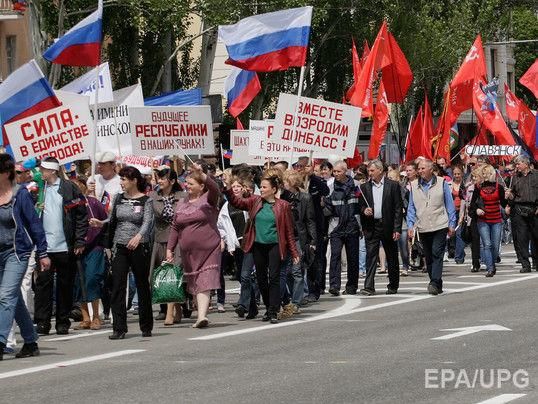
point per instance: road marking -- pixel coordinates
(462, 331)
(351, 301)
(57, 365)
(503, 398)
(75, 336)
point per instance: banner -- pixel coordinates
(113, 117)
(86, 85)
(321, 126)
(185, 97)
(143, 161)
(172, 130)
(65, 132)
(239, 143)
(495, 150)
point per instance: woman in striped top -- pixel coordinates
(486, 202)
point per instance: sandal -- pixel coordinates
(203, 323)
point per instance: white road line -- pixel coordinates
(351, 301)
(444, 282)
(57, 365)
(503, 398)
(75, 336)
(342, 310)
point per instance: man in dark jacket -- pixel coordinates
(381, 218)
(342, 207)
(66, 223)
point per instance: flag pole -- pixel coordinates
(299, 93)
(176, 141)
(407, 139)
(221, 156)
(95, 128)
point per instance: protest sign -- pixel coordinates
(143, 161)
(239, 143)
(494, 150)
(64, 132)
(113, 120)
(172, 130)
(86, 84)
(321, 126)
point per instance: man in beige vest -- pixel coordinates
(432, 215)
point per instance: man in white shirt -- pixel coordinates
(107, 182)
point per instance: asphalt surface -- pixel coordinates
(342, 349)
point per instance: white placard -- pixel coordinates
(86, 85)
(172, 130)
(239, 143)
(321, 126)
(494, 150)
(143, 161)
(113, 119)
(65, 132)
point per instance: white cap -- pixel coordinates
(105, 157)
(145, 170)
(50, 165)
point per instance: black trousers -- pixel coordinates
(525, 231)
(64, 264)
(137, 261)
(351, 244)
(268, 263)
(372, 257)
(321, 258)
(475, 244)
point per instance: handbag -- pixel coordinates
(417, 245)
(467, 233)
(167, 284)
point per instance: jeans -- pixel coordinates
(490, 237)
(404, 250)
(11, 302)
(292, 279)
(362, 256)
(247, 297)
(434, 249)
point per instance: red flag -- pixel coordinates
(397, 76)
(379, 127)
(377, 59)
(357, 159)
(427, 130)
(446, 121)
(356, 62)
(472, 69)
(238, 124)
(414, 139)
(365, 51)
(491, 120)
(512, 107)
(526, 126)
(530, 78)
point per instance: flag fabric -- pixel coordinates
(526, 126)
(356, 64)
(379, 127)
(491, 120)
(356, 160)
(269, 42)
(228, 153)
(365, 51)
(512, 107)
(413, 148)
(241, 87)
(180, 97)
(23, 93)
(397, 76)
(86, 84)
(427, 130)
(441, 140)
(490, 90)
(81, 45)
(239, 124)
(530, 78)
(454, 137)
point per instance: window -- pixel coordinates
(11, 53)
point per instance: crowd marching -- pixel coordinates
(72, 242)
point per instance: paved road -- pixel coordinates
(343, 350)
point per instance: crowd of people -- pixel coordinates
(91, 244)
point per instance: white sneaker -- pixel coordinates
(220, 308)
(445, 258)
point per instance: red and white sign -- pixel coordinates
(320, 126)
(143, 161)
(262, 142)
(65, 133)
(239, 143)
(171, 130)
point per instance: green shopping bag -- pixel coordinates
(167, 284)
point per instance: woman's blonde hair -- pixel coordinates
(294, 179)
(489, 173)
(393, 175)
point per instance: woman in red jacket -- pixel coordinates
(269, 236)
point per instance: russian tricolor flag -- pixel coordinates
(269, 42)
(25, 92)
(81, 45)
(241, 87)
